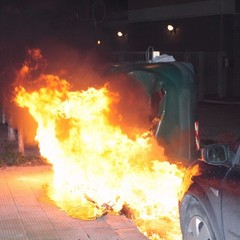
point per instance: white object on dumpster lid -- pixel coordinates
(163, 58)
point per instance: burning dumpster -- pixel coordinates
(172, 96)
(100, 168)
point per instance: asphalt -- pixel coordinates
(27, 213)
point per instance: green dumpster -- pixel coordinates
(170, 87)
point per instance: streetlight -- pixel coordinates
(120, 34)
(170, 28)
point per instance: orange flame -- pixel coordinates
(97, 167)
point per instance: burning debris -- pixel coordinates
(98, 168)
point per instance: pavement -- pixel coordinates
(28, 214)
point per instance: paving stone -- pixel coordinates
(28, 214)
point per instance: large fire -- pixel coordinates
(98, 168)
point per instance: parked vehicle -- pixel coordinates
(210, 195)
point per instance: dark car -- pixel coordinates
(209, 201)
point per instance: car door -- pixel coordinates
(231, 201)
(210, 180)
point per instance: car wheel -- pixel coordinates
(195, 223)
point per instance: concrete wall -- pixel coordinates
(153, 11)
(197, 34)
(200, 26)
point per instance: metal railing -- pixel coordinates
(129, 57)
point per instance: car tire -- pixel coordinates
(195, 224)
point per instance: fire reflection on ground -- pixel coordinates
(98, 168)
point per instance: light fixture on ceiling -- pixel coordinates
(171, 28)
(120, 34)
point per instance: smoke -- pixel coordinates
(132, 109)
(129, 108)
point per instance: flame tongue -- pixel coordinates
(97, 167)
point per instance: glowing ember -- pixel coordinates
(97, 167)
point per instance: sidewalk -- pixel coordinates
(27, 214)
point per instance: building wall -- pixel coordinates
(195, 34)
(237, 6)
(136, 4)
(189, 35)
(236, 57)
(151, 11)
(201, 26)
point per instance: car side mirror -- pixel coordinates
(216, 153)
